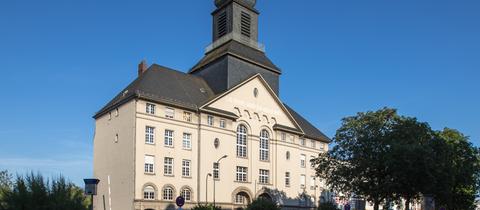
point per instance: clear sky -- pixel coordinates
(61, 61)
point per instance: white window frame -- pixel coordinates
(216, 170)
(186, 193)
(223, 123)
(168, 166)
(187, 116)
(149, 164)
(169, 113)
(149, 193)
(283, 136)
(303, 160)
(312, 182)
(264, 176)
(239, 199)
(242, 135)
(210, 120)
(168, 140)
(149, 135)
(186, 168)
(303, 181)
(241, 174)
(150, 108)
(303, 142)
(264, 145)
(313, 143)
(168, 194)
(187, 141)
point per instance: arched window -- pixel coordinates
(241, 141)
(149, 193)
(187, 194)
(168, 193)
(264, 145)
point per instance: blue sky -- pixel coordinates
(60, 61)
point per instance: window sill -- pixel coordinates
(265, 184)
(242, 182)
(265, 161)
(169, 175)
(171, 147)
(186, 149)
(246, 158)
(152, 144)
(187, 177)
(149, 174)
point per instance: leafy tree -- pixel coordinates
(458, 171)
(262, 204)
(327, 206)
(5, 186)
(411, 159)
(357, 163)
(33, 192)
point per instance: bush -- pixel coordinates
(262, 204)
(328, 206)
(206, 207)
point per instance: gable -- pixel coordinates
(264, 106)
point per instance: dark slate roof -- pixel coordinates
(165, 85)
(310, 130)
(237, 49)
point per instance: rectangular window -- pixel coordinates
(312, 142)
(242, 141)
(284, 136)
(302, 180)
(312, 158)
(187, 116)
(150, 108)
(210, 120)
(222, 123)
(216, 170)
(312, 183)
(186, 168)
(169, 112)
(302, 142)
(149, 164)
(322, 146)
(264, 176)
(149, 135)
(187, 141)
(241, 174)
(287, 179)
(169, 138)
(168, 166)
(303, 161)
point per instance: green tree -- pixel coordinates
(411, 159)
(5, 186)
(458, 171)
(262, 204)
(357, 163)
(327, 206)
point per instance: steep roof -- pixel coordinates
(239, 50)
(310, 130)
(165, 85)
(175, 88)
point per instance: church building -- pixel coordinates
(216, 134)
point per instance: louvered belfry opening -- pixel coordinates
(222, 24)
(246, 22)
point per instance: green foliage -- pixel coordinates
(327, 206)
(206, 207)
(33, 192)
(262, 204)
(383, 156)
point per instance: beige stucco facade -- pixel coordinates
(120, 151)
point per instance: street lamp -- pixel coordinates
(91, 189)
(218, 164)
(206, 188)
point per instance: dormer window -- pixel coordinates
(246, 22)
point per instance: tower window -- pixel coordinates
(246, 20)
(222, 24)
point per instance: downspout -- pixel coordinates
(198, 155)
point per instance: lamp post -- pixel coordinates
(91, 189)
(218, 164)
(206, 188)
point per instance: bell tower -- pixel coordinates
(235, 54)
(235, 19)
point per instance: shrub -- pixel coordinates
(327, 206)
(206, 207)
(262, 204)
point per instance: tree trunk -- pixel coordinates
(376, 205)
(407, 203)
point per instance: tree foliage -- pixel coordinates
(262, 204)
(327, 206)
(33, 192)
(383, 156)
